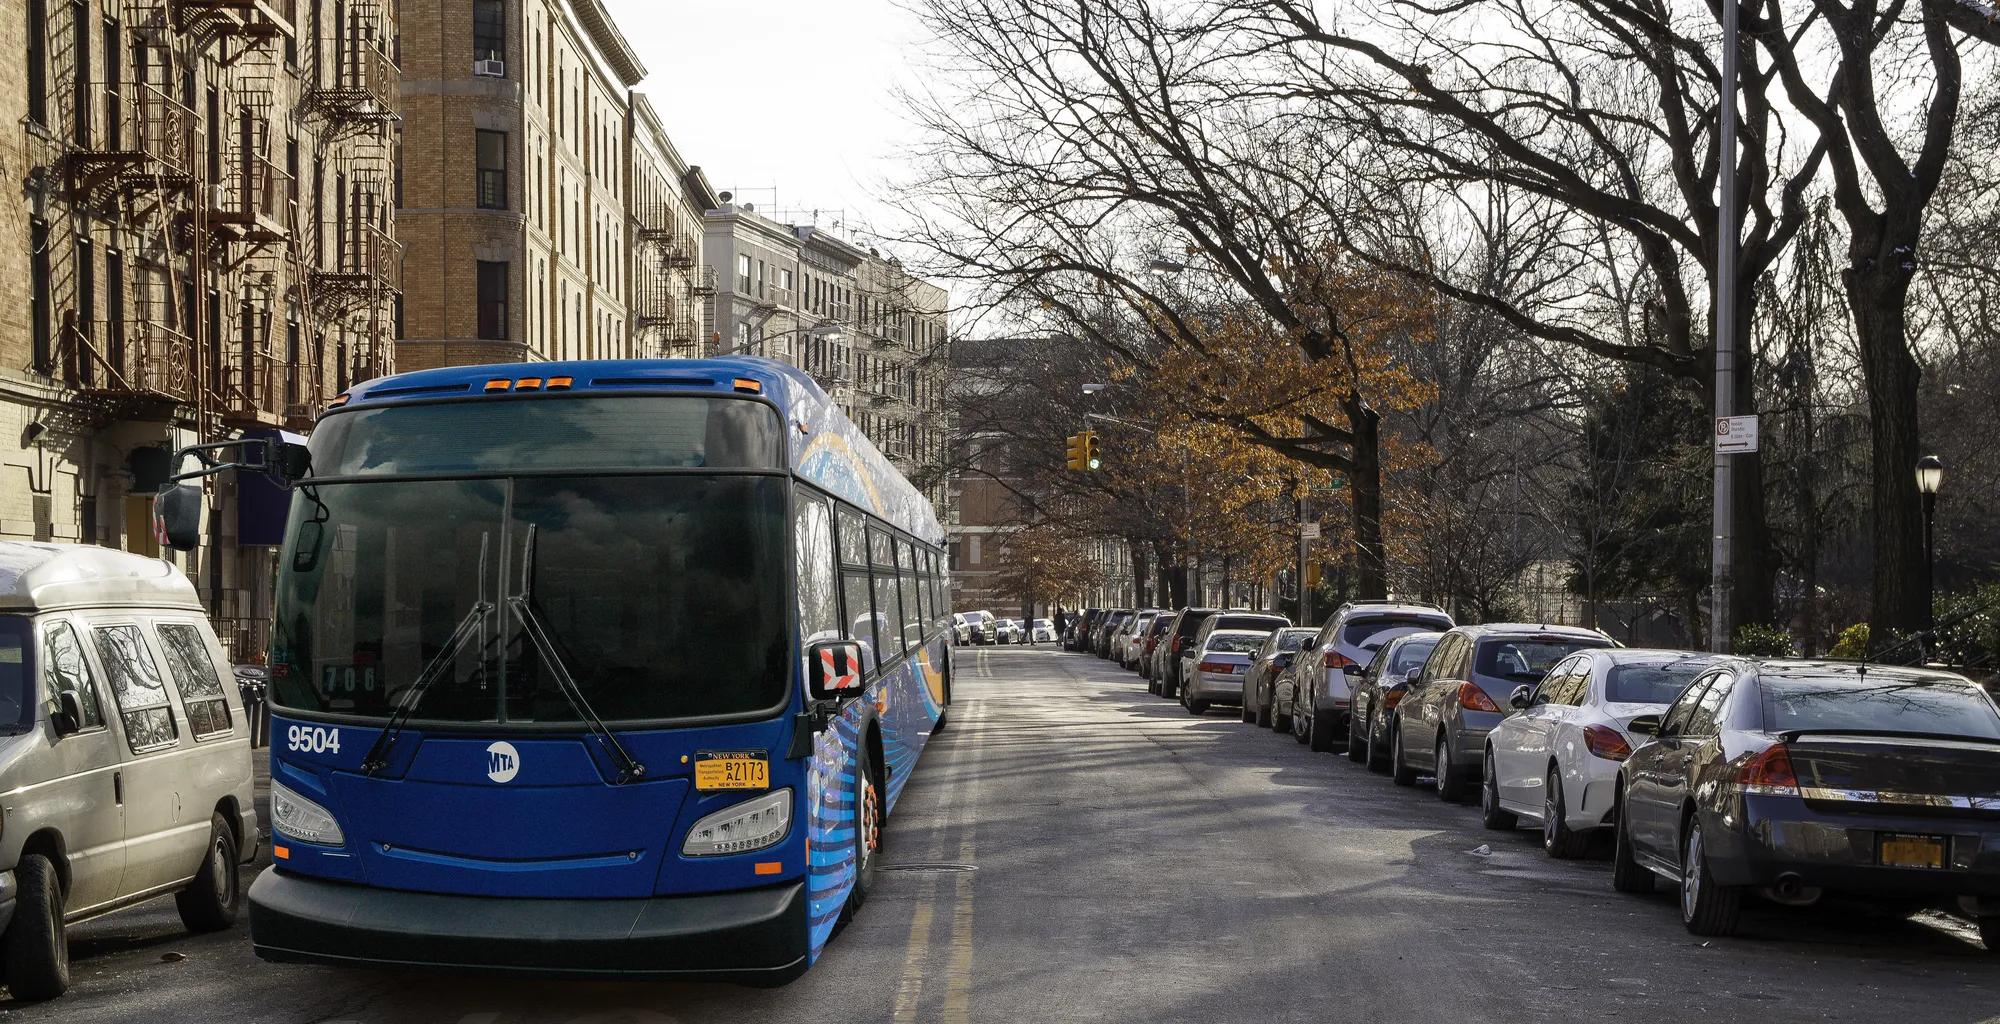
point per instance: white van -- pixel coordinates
(124, 753)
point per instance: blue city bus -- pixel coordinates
(593, 669)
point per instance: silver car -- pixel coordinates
(1316, 705)
(124, 753)
(1441, 724)
(1213, 672)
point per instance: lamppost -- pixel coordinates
(1930, 476)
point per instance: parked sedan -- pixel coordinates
(1556, 762)
(1376, 693)
(1441, 725)
(1796, 777)
(1166, 678)
(1042, 631)
(1213, 673)
(1125, 649)
(1270, 662)
(1100, 638)
(1008, 631)
(981, 627)
(1151, 643)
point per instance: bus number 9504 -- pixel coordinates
(312, 739)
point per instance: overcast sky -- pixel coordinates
(797, 94)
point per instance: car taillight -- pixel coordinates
(1335, 659)
(1769, 773)
(1605, 742)
(1390, 699)
(1472, 698)
(1214, 666)
(1176, 648)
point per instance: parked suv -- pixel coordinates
(1166, 679)
(1316, 704)
(124, 752)
(1441, 724)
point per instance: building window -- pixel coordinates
(86, 304)
(492, 159)
(80, 64)
(489, 30)
(492, 300)
(38, 62)
(743, 274)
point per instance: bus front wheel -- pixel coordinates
(868, 800)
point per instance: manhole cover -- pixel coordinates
(928, 867)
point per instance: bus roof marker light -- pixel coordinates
(499, 384)
(528, 384)
(560, 383)
(755, 387)
(339, 400)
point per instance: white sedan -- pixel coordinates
(1555, 759)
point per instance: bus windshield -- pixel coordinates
(663, 596)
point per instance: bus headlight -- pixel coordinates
(301, 819)
(740, 828)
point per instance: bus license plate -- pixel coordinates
(1897, 850)
(743, 769)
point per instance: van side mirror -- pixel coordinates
(177, 517)
(1521, 697)
(836, 669)
(1644, 725)
(67, 716)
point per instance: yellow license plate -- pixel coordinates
(1899, 851)
(731, 771)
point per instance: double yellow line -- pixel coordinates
(958, 812)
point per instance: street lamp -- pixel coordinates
(1930, 476)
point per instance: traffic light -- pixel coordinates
(1082, 452)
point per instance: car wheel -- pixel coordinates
(1707, 907)
(1319, 732)
(36, 945)
(1400, 771)
(1558, 840)
(1451, 786)
(210, 902)
(1378, 748)
(1301, 722)
(1355, 751)
(1264, 715)
(1491, 814)
(1196, 707)
(1627, 874)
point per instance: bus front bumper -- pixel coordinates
(757, 937)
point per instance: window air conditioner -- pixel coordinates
(490, 68)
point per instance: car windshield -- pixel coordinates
(1236, 643)
(1041, 623)
(1411, 654)
(655, 592)
(1888, 704)
(1651, 683)
(1371, 632)
(1262, 623)
(17, 684)
(1524, 660)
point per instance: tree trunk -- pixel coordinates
(1877, 290)
(1139, 571)
(1371, 566)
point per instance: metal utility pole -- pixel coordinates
(1305, 542)
(1724, 583)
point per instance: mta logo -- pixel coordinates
(503, 762)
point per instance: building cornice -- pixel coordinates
(610, 42)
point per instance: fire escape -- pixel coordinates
(132, 158)
(664, 306)
(350, 103)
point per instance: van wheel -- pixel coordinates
(867, 832)
(37, 948)
(210, 902)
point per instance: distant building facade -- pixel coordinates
(204, 235)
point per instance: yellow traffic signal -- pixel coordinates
(1090, 460)
(1076, 457)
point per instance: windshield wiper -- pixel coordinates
(474, 621)
(629, 769)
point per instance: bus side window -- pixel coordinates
(858, 609)
(819, 598)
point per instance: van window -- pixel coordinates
(138, 688)
(194, 674)
(17, 687)
(65, 669)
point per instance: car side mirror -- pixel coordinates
(177, 517)
(1410, 678)
(1354, 670)
(1522, 696)
(1644, 725)
(68, 713)
(836, 669)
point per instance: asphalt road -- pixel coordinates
(1075, 850)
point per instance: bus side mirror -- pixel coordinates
(67, 716)
(291, 460)
(836, 668)
(177, 517)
